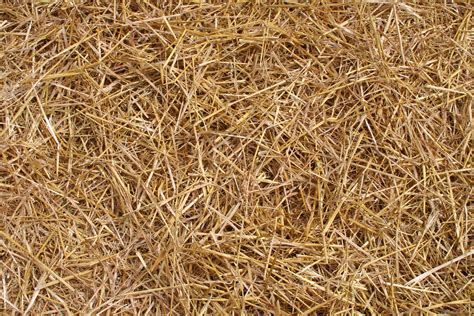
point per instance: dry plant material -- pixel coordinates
(272, 157)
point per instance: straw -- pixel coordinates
(265, 157)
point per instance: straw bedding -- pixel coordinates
(236, 158)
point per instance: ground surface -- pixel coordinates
(224, 158)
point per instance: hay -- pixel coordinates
(193, 158)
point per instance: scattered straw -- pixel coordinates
(281, 157)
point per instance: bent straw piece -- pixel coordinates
(436, 269)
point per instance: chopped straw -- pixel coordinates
(264, 157)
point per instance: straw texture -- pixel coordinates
(271, 157)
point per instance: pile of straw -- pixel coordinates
(279, 157)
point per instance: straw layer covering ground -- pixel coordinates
(273, 157)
